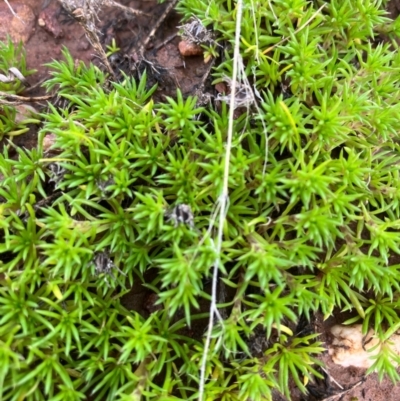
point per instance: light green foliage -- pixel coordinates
(313, 219)
(12, 56)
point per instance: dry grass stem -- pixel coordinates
(85, 13)
(13, 12)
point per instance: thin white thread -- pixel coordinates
(223, 202)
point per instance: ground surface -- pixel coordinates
(48, 28)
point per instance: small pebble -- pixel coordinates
(187, 49)
(48, 141)
(48, 21)
(23, 112)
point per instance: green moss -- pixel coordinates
(129, 191)
(12, 56)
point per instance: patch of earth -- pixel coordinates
(340, 383)
(363, 388)
(48, 28)
(393, 8)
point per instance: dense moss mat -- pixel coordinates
(128, 193)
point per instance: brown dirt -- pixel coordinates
(370, 388)
(394, 10)
(52, 28)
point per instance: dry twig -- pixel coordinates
(10, 100)
(332, 378)
(335, 397)
(127, 9)
(86, 13)
(164, 15)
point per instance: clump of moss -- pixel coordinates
(126, 197)
(13, 72)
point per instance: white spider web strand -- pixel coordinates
(223, 202)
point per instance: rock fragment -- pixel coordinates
(351, 348)
(48, 21)
(48, 141)
(19, 27)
